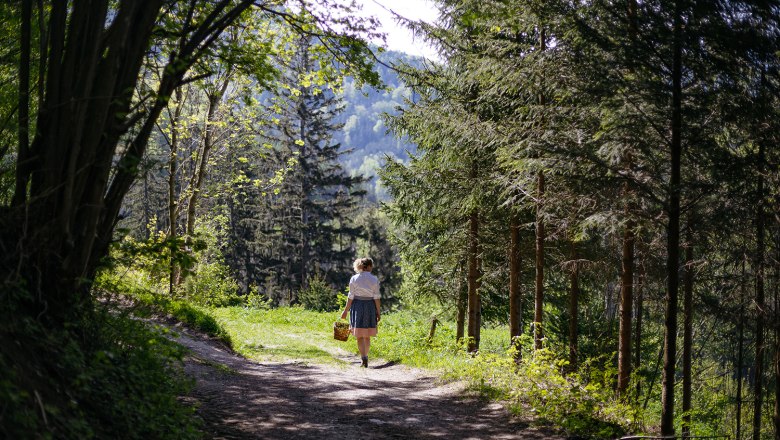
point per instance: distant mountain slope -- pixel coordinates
(364, 132)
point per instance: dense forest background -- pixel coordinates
(595, 181)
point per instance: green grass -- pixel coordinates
(290, 333)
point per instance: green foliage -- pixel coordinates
(580, 404)
(111, 377)
(255, 300)
(211, 285)
(319, 296)
(132, 285)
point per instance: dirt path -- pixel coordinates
(242, 399)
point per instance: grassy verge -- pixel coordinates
(290, 333)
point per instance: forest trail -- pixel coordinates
(242, 399)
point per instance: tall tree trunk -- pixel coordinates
(687, 333)
(673, 233)
(740, 351)
(463, 300)
(24, 104)
(473, 277)
(627, 262)
(24, 82)
(173, 210)
(540, 234)
(758, 383)
(515, 296)
(574, 298)
(203, 158)
(777, 337)
(638, 323)
(626, 305)
(304, 219)
(539, 280)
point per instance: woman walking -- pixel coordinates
(363, 306)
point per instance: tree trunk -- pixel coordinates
(574, 298)
(687, 333)
(777, 338)
(473, 277)
(539, 281)
(173, 163)
(540, 234)
(673, 233)
(69, 190)
(740, 351)
(758, 368)
(515, 296)
(463, 299)
(203, 158)
(626, 306)
(638, 323)
(24, 105)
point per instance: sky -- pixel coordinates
(398, 37)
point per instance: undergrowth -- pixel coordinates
(106, 377)
(537, 384)
(147, 301)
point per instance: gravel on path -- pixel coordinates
(241, 399)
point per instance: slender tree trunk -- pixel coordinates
(173, 164)
(740, 351)
(473, 277)
(758, 388)
(626, 306)
(24, 105)
(540, 234)
(539, 281)
(304, 219)
(43, 52)
(687, 333)
(777, 337)
(574, 298)
(673, 234)
(638, 323)
(515, 296)
(147, 207)
(463, 300)
(203, 159)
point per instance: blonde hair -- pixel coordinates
(362, 264)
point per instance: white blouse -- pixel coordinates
(364, 285)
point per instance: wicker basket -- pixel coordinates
(340, 330)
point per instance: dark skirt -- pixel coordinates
(362, 317)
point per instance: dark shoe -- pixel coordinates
(364, 364)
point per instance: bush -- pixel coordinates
(319, 296)
(210, 284)
(256, 300)
(108, 376)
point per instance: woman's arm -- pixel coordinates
(378, 314)
(346, 309)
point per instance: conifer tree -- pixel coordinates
(308, 221)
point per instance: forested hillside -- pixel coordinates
(364, 133)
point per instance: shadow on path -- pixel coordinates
(241, 399)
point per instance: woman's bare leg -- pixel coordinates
(362, 346)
